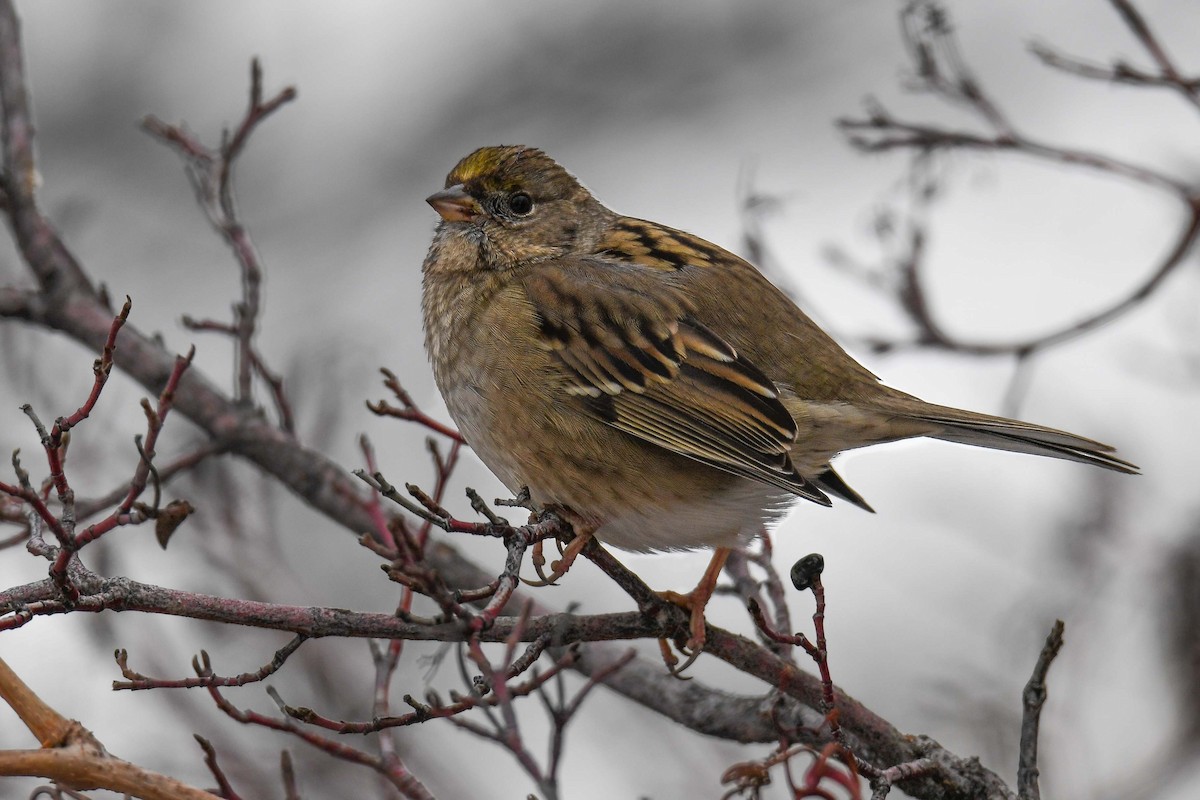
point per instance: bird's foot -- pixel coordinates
(695, 602)
(559, 567)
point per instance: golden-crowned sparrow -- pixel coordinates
(655, 386)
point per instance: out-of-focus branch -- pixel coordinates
(940, 69)
(88, 507)
(210, 760)
(1169, 75)
(15, 303)
(56, 270)
(211, 174)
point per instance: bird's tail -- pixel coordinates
(999, 433)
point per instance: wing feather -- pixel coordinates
(639, 361)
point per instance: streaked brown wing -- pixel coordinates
(638, 361)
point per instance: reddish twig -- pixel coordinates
(42, 515)
(386, 659)
(406, 783)
(394, 542)
(101, 368)
(750, 776)
(516, 540)
(562, 711)
(125, 514)
(426, 508)
(411, 573)
(434, 707)
(210, 761)
(409, 410)
(505, 728)
(54, 441)
(202, 664)
(826, 767)
(806, 574)
(444, 468)
(211, 174)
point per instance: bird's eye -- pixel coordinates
(521, 204)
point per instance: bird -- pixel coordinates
(651, 385)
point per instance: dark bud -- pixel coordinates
(807, 570)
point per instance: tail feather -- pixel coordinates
(833, 484)
(999, 433)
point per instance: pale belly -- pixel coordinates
(641, 497)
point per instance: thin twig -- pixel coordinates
(408, 409)
(136, 681)
(1032, 700)
(211, 174)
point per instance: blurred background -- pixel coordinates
(938, 604)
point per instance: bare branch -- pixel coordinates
(1032, 700)
(211, 174)
(941, 70)
(70, 754)
(138, 681)
(408, 409)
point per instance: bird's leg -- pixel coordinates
(583, 533)
(697, 599)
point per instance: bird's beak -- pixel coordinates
(454, 204)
